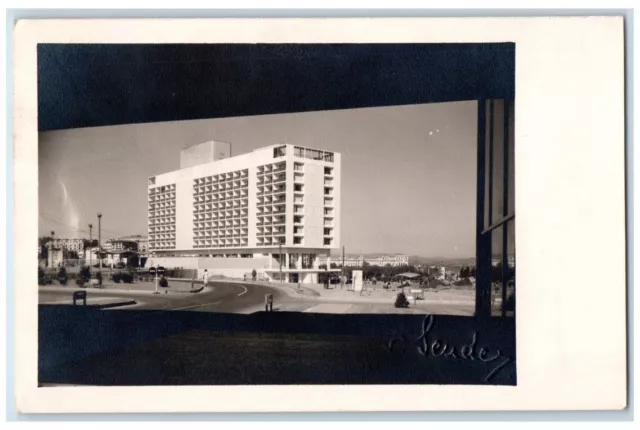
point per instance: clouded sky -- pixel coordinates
(408, 172)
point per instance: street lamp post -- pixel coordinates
(99, 239)
(90, 263)
(280, 258)
(53, 233)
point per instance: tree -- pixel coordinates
(401, 301)
(472, 272)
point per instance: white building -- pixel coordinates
(274, 210)
(135, 242)
(75, 245)
(392, 260)
(349, 261)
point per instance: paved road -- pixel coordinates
(247, 298)
(225, 297)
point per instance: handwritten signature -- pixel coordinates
(438, 348)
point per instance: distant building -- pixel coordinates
(134, 242)
(391, 260)
(75, 245)
(118, 245)
(349, 261)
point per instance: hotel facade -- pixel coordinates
(275, 210)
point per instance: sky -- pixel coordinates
(408, 172)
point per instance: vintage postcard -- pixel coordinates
(326, 214)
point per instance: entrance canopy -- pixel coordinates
(409, 275)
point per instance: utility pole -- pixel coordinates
(53, 233)
(90, 241)
(100, 239)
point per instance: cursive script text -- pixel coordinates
(437, 348)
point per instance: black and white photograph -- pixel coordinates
(233, 212)
(350, 245)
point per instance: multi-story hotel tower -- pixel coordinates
(275, 210)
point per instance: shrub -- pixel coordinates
(80, 281)
(116, 277)
(85, 273)
(127, 278)
(401, 301)
(62, 276)
(163, 282)
(41, 277)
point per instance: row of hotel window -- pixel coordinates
(312, 154)
(220, 211)
(162, 217)
(223, 178)
(221, 243)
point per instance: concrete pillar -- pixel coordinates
(270, 261)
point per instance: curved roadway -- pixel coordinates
(224, 297)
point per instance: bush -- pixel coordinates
(42, 279)
(85, 273)
(127, 278)
(116, 277)
(62, 276)
(163, 282)
(401, 301)
(80, 281)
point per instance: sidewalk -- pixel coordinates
(139, 288)
(372, 294)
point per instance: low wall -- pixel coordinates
(212, 263)
(228, 267)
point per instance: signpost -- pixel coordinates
(80, 295)
(154, 271)
(268, 302)
(357, 280)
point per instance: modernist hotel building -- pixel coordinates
(275, 210)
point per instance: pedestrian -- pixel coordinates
(245, 277)
(205, 277)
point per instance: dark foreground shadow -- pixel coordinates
(80, 345)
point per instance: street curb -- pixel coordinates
(115, 305)
(71, 290)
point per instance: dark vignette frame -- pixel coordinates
(97, 85)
